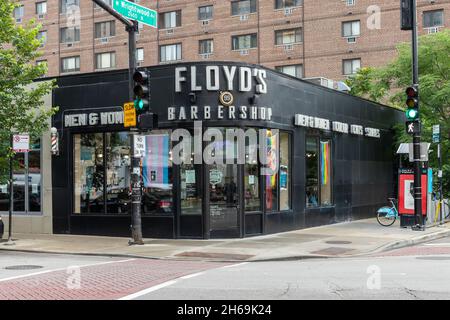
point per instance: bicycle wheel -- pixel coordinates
(386, 217)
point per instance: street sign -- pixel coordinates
(139, 146)
(21, 143)
(436, 133)
(412, 127)
(136, 12)
(129, 115)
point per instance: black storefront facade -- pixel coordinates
(333, 152)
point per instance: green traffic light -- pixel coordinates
(412, 114)
(139, 104)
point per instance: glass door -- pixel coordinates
(224, 208)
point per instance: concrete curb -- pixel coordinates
(386, 247)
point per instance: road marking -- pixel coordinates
(192, 275)
(235, 265)
(62, 269)
(148, 290)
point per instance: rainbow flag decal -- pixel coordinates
(325, 161)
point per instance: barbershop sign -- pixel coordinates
(336, 126)
(102, 118)
(225, 81)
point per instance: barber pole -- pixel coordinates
(54, 138)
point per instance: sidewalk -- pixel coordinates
(347, 239)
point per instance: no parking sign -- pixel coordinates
(21, 143)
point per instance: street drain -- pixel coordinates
(23, 267)
(338, 242)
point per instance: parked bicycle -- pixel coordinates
(386, 216)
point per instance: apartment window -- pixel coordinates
(206, 46)
(292, 70)
(351, 66)
(205, 13)
(350, 2)
(288, 36)
(70, 64)
(42, 35)
(105, 60)
(105, 29)
(41, 7)
(169, 20)
(108, 2)
(39, 62)
(351, 29)
(69, 34)
(170, 52)
(64, 5)
(18, 13)
(243, 7)
(433, 18)
(247, 41)
(140, 54)
(281, 4)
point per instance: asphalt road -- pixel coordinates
(420, 272)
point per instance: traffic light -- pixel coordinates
(406, 13)
(141, 92)
(412, 103)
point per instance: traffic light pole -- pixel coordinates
(136, 197)
(416, 136)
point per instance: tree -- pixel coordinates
(387, 85)
(21, 99)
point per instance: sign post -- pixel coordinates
(437, 139)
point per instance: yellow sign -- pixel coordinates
(129, 115)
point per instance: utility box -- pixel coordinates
(406, 196)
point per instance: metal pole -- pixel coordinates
(11, 195)
(416, 137)
(440, 182)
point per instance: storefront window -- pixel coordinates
(272, 180)
(312, 172)
(34, 177)
(19, 184)
(88, 173)
(191, 197)
(284, 172)
(117, 172)
(318, 172)
(157, 197)
(251, 178)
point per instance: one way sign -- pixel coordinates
(412, 127)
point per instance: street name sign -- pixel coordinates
(129, 115)
(21, 143)
(136, 12)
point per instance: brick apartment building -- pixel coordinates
(305, 38)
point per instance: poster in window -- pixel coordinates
(283, 177)
(156, 162)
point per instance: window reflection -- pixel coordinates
(312, 172)
(34, 178)
(272, 180)
(284, 172)
(89, 173)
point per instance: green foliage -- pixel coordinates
(387, 84)
(21, 100)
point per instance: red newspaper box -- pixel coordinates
(406, 196)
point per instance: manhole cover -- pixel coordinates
(433, 258)
(338, 242)
(23, 267)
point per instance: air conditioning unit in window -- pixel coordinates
(288, 47)
(288, 11)
(19, 20)
(104, 40)
(351, 40)
(41, 16)
(244, 52)
(69, 45)
(243, 17)
(169, 31)
(433, 30)
(205, 55)
(139, 63)
(205, 22)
